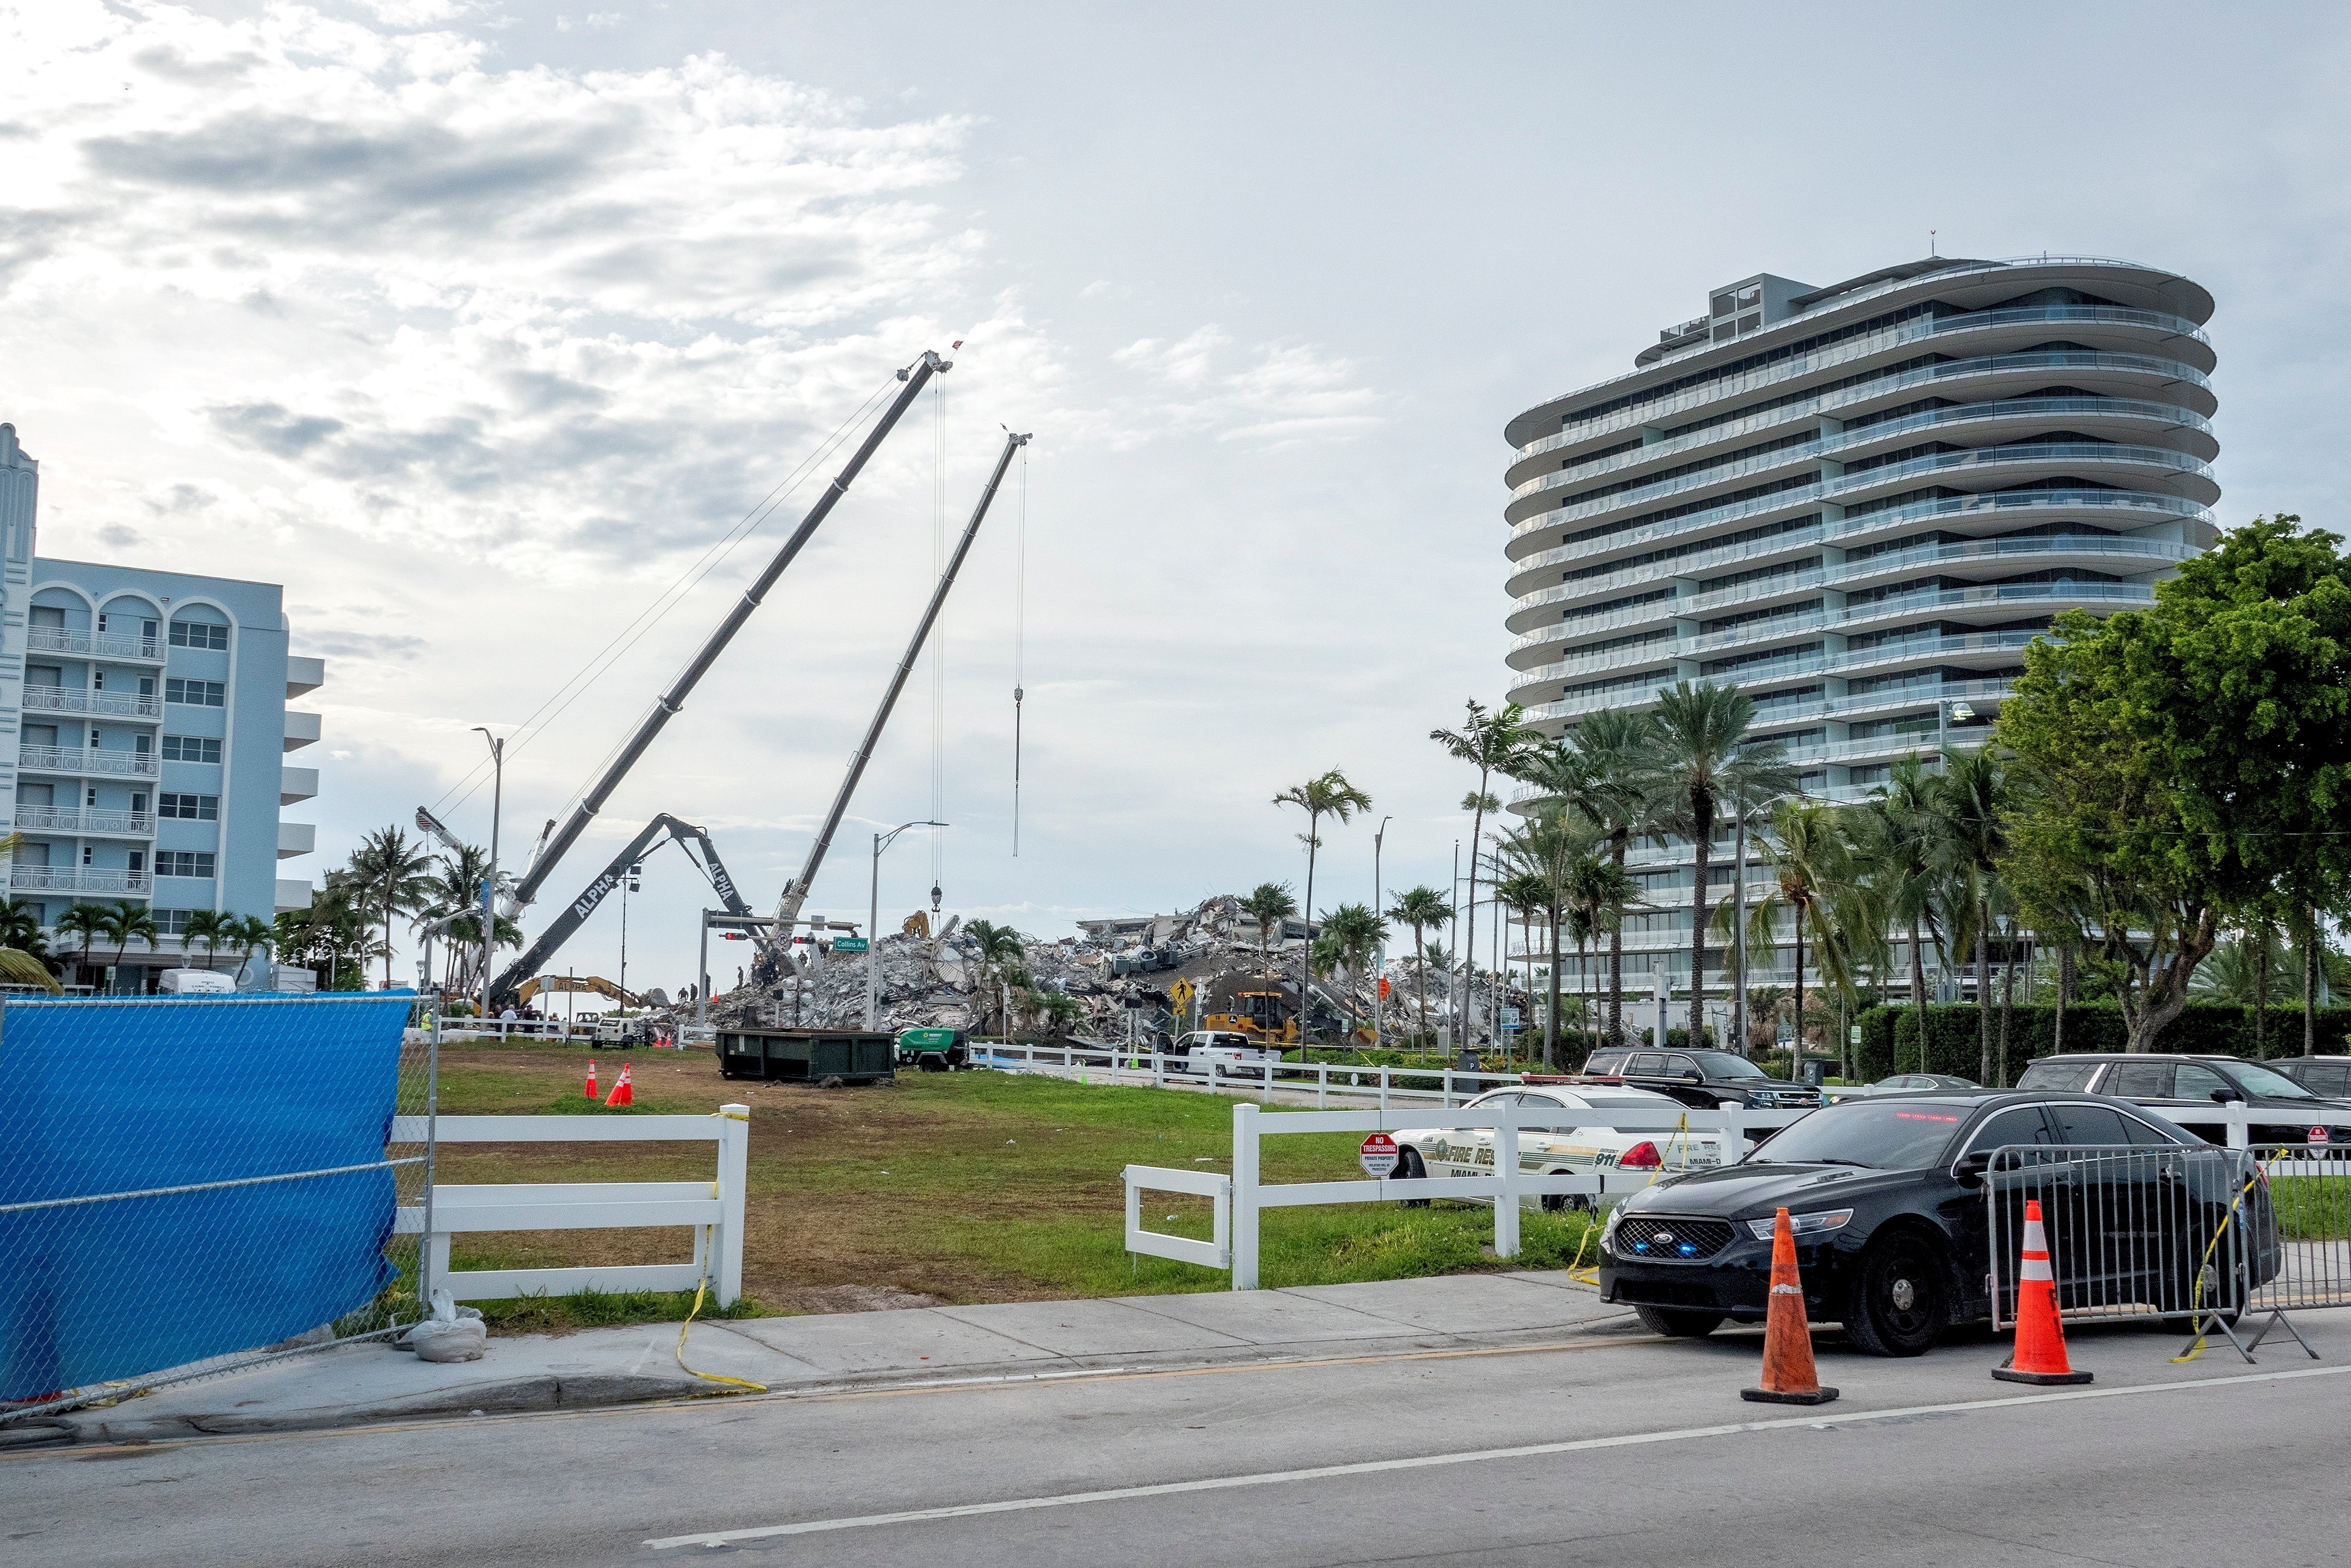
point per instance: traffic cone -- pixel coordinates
(2040, 1353)
(1789, 1377)
(591, 1078)
(621, 1095)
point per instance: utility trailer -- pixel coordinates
(807, 1055)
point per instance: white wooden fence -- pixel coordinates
(713, 1209)
(1326, 1081)
(1240, 1199)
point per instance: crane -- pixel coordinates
(787, 908)
(554, 842)
(509, 985)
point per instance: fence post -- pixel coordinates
(1448, 1089)
(2240, 1135)
(1734, 1131)
(734, 1149)
(1158, 1069)
(1245, 1150)
(1383, 1091)
(1322, 1086)
(1506, 1169)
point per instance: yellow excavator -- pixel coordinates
(595, 983)
(1263, 1016)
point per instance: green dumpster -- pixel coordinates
(804, 1055)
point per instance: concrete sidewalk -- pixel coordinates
(355, 1384)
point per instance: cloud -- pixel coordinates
(342, 645)
(120, 536)
(1282, 391)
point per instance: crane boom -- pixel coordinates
(796, 892)
(553, 844)
(509, 985)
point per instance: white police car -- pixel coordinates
(1569, 1148)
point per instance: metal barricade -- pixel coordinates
(2185, 1234)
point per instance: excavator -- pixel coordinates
(592, 983)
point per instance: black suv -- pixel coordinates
(2324, 1075)
(2179, 1086)
(1888, 1200)
(1703, 1079)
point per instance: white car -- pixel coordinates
(1465, 1151)
(1220, 1053)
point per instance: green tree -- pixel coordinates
(1971, 816)
(84, 920)
(1811, 868)
(209, 927)
(1002, 954)
(1268, 903)
(390, 876)
(1598, 890)
(1329, 795)
(1551, 850)
(1617, 796)
(1697, 753)
(121, 923)
(1420, 908)
(1351, 939)
(1491, 743)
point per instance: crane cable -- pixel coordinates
(1020, 640)
(938, 640)
(599, 663)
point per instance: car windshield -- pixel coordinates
(1905, 1136)
(1723, 1065)
(2261, 1080)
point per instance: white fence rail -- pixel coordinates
(1326, 1081)
(713, 1208)
(1247, 1196)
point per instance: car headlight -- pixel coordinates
(1818, 1223)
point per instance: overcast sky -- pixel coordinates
(477, 325)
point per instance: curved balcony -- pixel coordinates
(2133, 554)
(80, 879)
(94, 644)
(2193, 476)
(74, 759)
(2174, 329)
(2126, 374)
(89, 821)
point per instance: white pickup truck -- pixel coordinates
(1221, 1053)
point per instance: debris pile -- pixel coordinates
(1153, 974)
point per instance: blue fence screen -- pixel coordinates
(101, 1097)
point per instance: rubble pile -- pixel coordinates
(1123, 972)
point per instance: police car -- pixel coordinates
(1568, 1149)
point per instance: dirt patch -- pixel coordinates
(852, 1299)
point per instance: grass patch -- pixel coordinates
(603, 1310)
(2311, 1208)
(966, 1187)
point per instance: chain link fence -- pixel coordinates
(191, 1185)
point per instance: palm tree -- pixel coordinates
(1549, 848)
(84, 920)
(1972, 840)
(1598, 891)
(390, 874)
(209, 927)
(1328, 796)
(1001, 953)
(1354, 932)
(1491, 743)
(1267, 903)
(1807, 853)
(1058, 1012)
(1613, 743)
(1697, 753)
(120, 922)
(1421, 908)
(1522, 895)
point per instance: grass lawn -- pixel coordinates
(966, 1187)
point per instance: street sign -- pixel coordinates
(1509, 1018)
(848, 943)
(1379, 1156)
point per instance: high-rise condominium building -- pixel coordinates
(1856, 503)
(143, 729)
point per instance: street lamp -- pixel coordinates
(490, 883)
(873, 917)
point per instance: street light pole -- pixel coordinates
(490, 883)
(872, 923)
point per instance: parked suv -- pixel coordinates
(2179, 1086)
(2327, 1076)
(1223, 1054)
(1704, 1079)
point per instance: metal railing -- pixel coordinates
(77, 699)
(99, 644)
(85, 820)
(80, 879)
(77, 760)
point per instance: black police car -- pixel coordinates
(1887, 1198)
(2181, 1085)
(1703, 1079)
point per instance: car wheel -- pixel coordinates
(1567, 1202)
(1679, 1324)
(930, 1061)
(1898, 1297)
(1410, 1166)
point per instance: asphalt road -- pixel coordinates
(1628, 1452)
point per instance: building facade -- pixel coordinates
(1857, 503)
(144, 727)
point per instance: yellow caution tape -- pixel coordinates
(702, 1288)
(2261, 1173)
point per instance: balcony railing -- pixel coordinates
(68, 759)
(80, 879)
(95, 644)
(76, 699)
(85, 820)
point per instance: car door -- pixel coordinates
(2102, 1211)
(1997, 1208)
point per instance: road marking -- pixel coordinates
(1431, 1462)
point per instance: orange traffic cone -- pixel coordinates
(591, 1078)
(2040, 1353)
(621, 1095)
(1789, 1377)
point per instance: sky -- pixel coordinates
(507, 336)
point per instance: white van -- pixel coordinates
(1221, 1053)
(195, 982)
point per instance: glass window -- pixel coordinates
(2022, 1124)
(1489, 1102)
(1606, 1061)
(1909, 1136)
(183, 863)
(173, 922)
(194, 694)
(1727, 1064)
(2147, 1135)
(2137, 1081)
(2097, 1125)
(2071, 1077)
(198, 634)
(2261, 1080)
(188, 808)
(1647, 1064)
(2193, 1083)
(2327, 1080)
(1675, 1065)
(191, 748)
(1724, 304)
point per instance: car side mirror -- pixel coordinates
(1969, 1171)
(2224, 1096)
(1693, 1078)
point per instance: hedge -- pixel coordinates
(1889, 1035)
